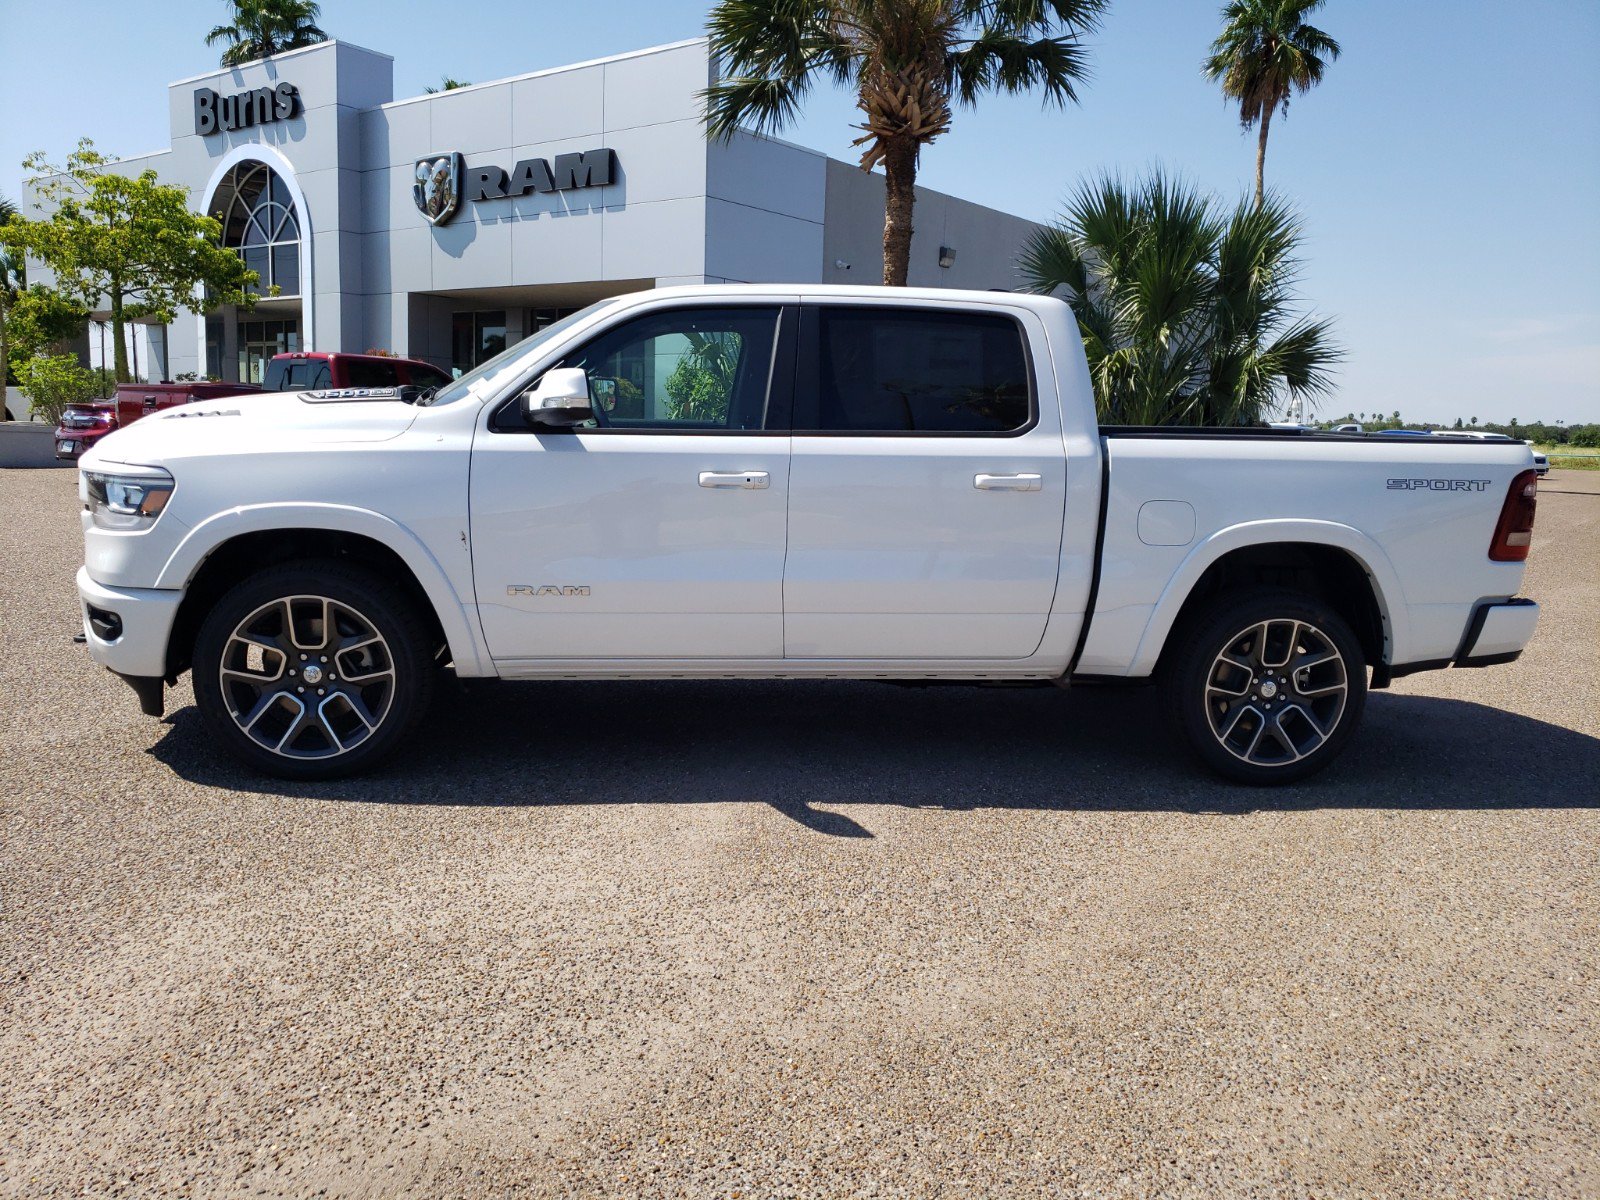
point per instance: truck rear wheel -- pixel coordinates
(1267, 687)
(312, 670)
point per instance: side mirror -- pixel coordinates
(560, 399)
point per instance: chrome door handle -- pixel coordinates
(1025, 482)
(750, 480)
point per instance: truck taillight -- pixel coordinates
(1513, 533)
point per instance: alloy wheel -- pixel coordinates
(307, 677)
(1276, 692)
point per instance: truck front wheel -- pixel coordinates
(312, 670)
(1267, 687)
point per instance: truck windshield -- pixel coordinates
(508, 363)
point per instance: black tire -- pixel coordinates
(1289, 721)
(357, 698)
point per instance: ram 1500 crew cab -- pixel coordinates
(786, 482)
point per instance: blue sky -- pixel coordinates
(1448, 169)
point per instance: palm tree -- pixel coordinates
(1187, 309)
(907, 61)
(447, 84)
(262, 28)
(1265, 51)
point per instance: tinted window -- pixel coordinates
(702, 368)
(878, 370)
(295, 374)
(427, 376)
(365, 373)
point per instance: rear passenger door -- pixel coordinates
(927, 485)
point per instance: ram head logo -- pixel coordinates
(437, 186)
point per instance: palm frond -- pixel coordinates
(1186, 307)
(1000, 61)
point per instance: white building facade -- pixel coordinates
(446, 226)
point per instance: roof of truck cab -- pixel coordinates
(326, 355)
(844, 291)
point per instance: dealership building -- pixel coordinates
(445, 226)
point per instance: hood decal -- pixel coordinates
(350, 395)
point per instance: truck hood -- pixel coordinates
(260, 422)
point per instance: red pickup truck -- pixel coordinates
(306, 370)
(84, 424)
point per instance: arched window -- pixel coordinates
(260, 225)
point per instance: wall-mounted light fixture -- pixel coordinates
(839, 264)
(947, 256)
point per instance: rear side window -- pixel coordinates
(296, 375)
(911, 370)
(364, 373)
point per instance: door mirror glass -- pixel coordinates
(559, 400)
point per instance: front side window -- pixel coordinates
(701, 368)
(911, 370)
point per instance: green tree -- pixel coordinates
(699, 386)
(37, 319)
(908, 61)
(1188, 309)
(262, 28)
(447, 84)
(126, 242)
(13, 278)
(1264, 52)
(53, 381)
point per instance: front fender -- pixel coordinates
(455, 617)
(1385, 579)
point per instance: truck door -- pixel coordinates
(659, 531)
(927, 485)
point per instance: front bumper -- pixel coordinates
(126, 629)
(1497, 633)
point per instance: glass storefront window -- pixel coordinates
(259, 341)
(476, 337)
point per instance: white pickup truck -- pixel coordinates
(786, 482)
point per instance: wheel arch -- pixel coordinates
(220, 552)
(1337, 563)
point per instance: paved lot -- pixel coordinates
(801, 939)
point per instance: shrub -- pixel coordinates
(53, 381)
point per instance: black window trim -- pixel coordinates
(808, 358)
(780, 379)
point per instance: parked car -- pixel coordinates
(1541, 462)
(785, 482)
(83, 425)
(1349, 427)
(306, 370)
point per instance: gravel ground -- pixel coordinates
(801, 939)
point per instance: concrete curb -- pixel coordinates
(28, 446)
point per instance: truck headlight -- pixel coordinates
(127, 498)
